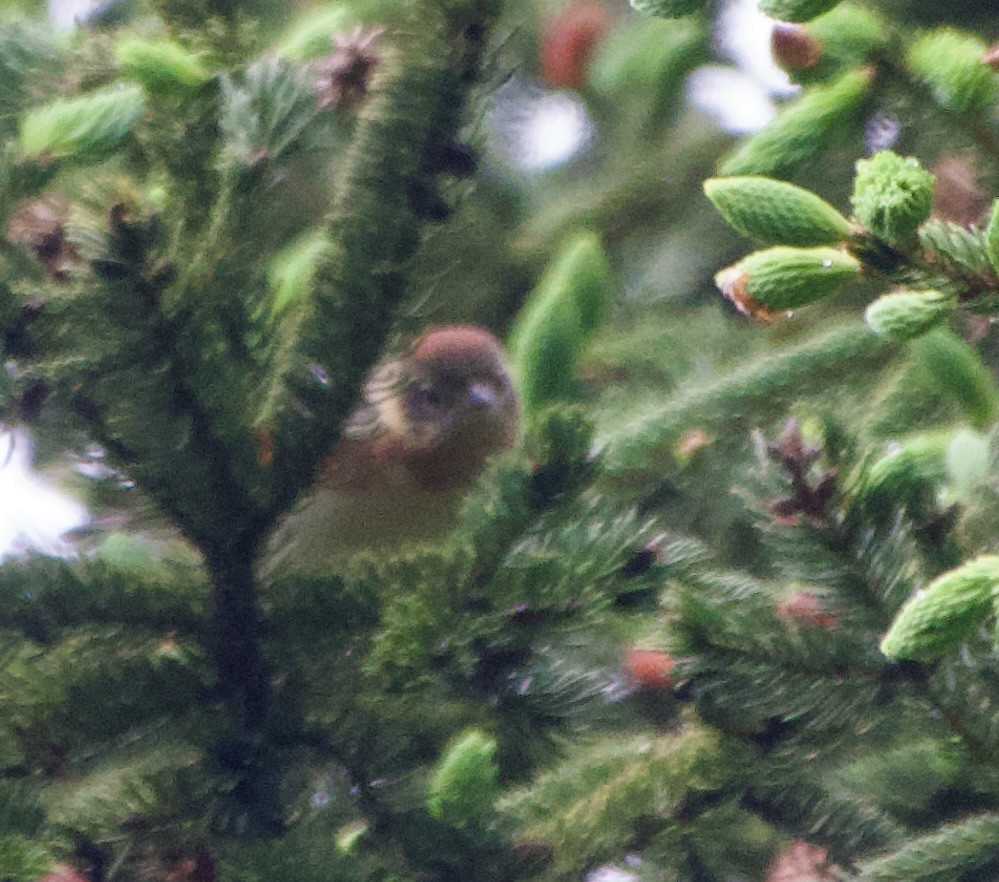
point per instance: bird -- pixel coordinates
(427, 424)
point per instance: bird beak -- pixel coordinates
(480, 395)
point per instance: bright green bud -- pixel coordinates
(291, 270)
(160, 64)
(950, 63)
(822, 114)
(992, 236)
(848, 33)
(910, 476)
(349, 835)
(136, 561)
(784, 278)
(903, 315)
(559, 316)
(775, 212)
(582, 270)
(938, 619)
(543, 362)
(901, 475)
(958, 372)
(651, 56)
(312, 35)
(668, 8)
(892, 195)
(796, 10)
(464, 784)
(87, 127)
(967, 459)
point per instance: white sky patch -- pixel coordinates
(33, 515)
(536, 129)
(66, 13)
(740, 98)
(737, 103)
(611, 874)
(555, 131)
(743, 34)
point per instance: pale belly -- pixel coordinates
(325, 529)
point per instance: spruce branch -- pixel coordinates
(617, 794)
(945, 256)
(758, 388)
(961, 254)
(881, 567)
(955, 711)
(952, 851)
(120, 584)
(198, 487)
(215, 486)
(794, 802)
(786, 691)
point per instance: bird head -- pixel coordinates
(457, 393)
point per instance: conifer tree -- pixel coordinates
(729, 611)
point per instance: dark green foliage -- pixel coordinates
(309, 853)
(784, 668)
(796, 10)
(761, 383)
(22, 859)
(843, 823)
(121, 584)
(951, 852)
(655, 640)
(611, 790)
(29, 57)
(266, 113)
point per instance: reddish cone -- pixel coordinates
(568, 40)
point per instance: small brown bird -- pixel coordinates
(426, 425)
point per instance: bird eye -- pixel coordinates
(424, 400)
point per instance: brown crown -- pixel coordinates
(459, 346)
